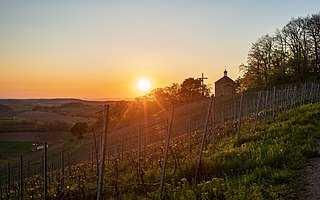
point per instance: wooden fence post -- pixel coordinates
(265, 110)
(21, 178)
(274, 102)
(310, 94)
(203, 139)
(293, 99)
(213, 123)
(317, 92)
(121, 146)
(41, 167)
(1, 190)
(165, 156)
(96, 150)
(287, 99)
(139, 149)
(62, 166)
(9, 177)
(103, 152)
(28, 169)
(190, 132)
(257, 112)
(304, 94)
(45, 175)
(235, 114)
(240, 115)
(222, 120)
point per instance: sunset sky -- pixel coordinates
(100, 49)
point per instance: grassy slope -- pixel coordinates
(264, 166)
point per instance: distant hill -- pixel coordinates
(63, 109)
(73, 104)
(47, 104)
(4, 108)
(46, 116)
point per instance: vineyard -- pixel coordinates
(235, 147)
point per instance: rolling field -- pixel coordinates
(46, 116)
(33, 136)
(12, 145)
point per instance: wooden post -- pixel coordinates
(9, 177)
(265, 110)
(245, 109)
(62, 166)
(280, 101)
(41, 166)
(68, 165)
(92, 161)
(21, 178)
(274, 102)
(139, 149)
(145, 139)
(293, 100)
(45, 180)
(287, 99)
(235, 113)
(257, 112)
(317, 92)
(239, 122)
(203, 139)
(122, 145)
(1, 190)
(310, 94)
(213, 123)
(313, 89)
(304, 92)
(28, 169)
(103, 152)
(222, 119)
(165, 156)
(190, 132)
(96, 149)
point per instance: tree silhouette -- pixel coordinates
(290, 55)
(79, 128)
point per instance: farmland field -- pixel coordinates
(33, 136)
(13, 150)
(46, 116)
(14, 144)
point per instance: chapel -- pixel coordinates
(225, 85)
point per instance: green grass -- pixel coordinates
(12, 150)
(15, 148)
(264, 166)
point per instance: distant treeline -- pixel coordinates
(66, 105)
(290, 55)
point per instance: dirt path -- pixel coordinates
(310, 180)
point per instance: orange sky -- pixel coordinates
(98, 49)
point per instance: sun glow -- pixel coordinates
(144, 85)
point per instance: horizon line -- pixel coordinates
(75, 98)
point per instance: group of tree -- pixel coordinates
(79, 129)
(190, 90)
(290, 55)
(159, 99)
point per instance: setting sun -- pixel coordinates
(144, 85)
